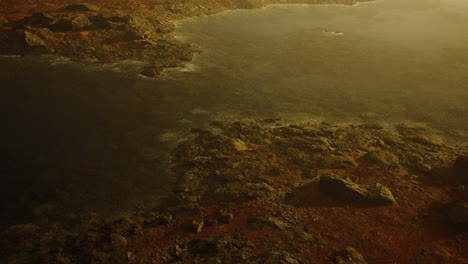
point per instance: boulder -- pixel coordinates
(80, 22)
(461, 169)
(195, 226)
(347, 190)
(3, 22)
(349, 256)
(382, 158)
(39, 20)
(27, 39)
(81, 7)
(67, 24)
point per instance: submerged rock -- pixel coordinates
(349, 256)
(346, 190)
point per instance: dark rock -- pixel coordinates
(195, 226)
(203, 246)
(346, 190)
(382, 158)
(63, 24)
(67, 24)
(81, 7)
(125, 226)
(109, 21)
(39, 20)
(349, 256)
(224, 216)
(27, 39)
(461, 169)
(3, 22)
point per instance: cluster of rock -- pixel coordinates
(234, 163)
(117, 37)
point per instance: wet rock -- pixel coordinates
(27, 39)
(461, 169)
(39, 20)
(3, 22)
(203, 246)
(225, 216)
(195, 226)
(347, 190)
(382, 158)
(152, 71)
(349, 256)
(276, 257)
(81, 7)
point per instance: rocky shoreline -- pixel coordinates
(102, 32)
(267, 193)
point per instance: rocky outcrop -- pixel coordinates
(347, 190)
(349, 256)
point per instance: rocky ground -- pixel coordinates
(267, 193)
(247, 192)
(110, 31)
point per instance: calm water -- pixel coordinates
(79, 138)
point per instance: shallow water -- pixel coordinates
(97, 138)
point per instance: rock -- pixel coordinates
(195, 226)
(3, 22)
(382, 158)
(461, 169)
(152, 71)
(225, 216)
(138, 27)
(118, 241)
(81, 7)
(346, 190)
(109, 21)
(340, 162)
(39, 20)
(349, 256)
(80, 22)
(125, 226)
(28, 39)
(278, 223)
(67, 24)
(203, 246)
(239, 145)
